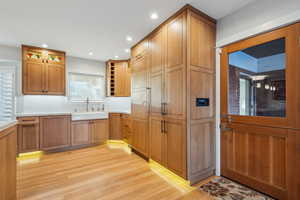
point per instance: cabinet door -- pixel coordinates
(156, 143)
(115, 126)
(175, 148)
(157, 71)
(55, 132)
(28, 134)
(33, 77)
(175, 70)
(80, 133)
(99, 131)
(8, 152)
(140, 134)
(55, 79)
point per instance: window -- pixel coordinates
(83, 86)
(257, 80)
(7, 94)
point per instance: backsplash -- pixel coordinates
(41, 104)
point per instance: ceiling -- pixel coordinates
(267, 49)
(99, 26)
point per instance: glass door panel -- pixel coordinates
(256, 80)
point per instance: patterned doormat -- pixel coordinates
(223, 189)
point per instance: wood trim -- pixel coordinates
(40, 48)
(180, 11)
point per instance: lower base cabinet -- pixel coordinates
(55, 132)
(140, 136)
(8, 152)
(168, 144)
(99, 131)
(89, 132)
(28, 134)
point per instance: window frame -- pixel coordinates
(70, 99)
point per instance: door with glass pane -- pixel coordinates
(258, 106)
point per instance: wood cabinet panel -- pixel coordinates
(28, 134)
(202, 148)
(55, 79)
(55, 132)
(157, 46)
(257, 156)
(8, 152)
(139, 49)
(80, 133)
(156, 142)
(140, 134)
(33, 78)
(140, 72)
(199, 82)
(99, 132)
(175, 131)
(175, 70)
(115, 132)
(126, 128)
(202, 44)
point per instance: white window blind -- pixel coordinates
(7, 94)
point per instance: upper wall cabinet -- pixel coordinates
(118, 78)
(43, 71)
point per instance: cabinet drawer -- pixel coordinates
(28, 120)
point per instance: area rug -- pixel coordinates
(223, 189)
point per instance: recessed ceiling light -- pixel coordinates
(154, 16)
(45, 45)
(116, 56)
(127, 50)
(128, 38)
(91, 53)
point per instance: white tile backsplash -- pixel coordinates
(44, 104)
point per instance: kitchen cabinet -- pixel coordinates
(89, 132)
(115, 132)
(43, 71)
(118, 78)
(80, 134)
(55, 132)
(140, 106)
(28, 134)
(8, 152)
(171, 68)
(126, 128)
(99, 131)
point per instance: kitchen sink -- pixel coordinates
(89, 115)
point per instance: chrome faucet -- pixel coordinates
(87, 104)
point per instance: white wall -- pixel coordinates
(41, 103)
(257, 17)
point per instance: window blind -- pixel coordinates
(7, 96)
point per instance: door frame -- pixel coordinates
(289, 33)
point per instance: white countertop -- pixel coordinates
(7, 124)
(38, 114)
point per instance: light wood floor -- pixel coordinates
(95, 173)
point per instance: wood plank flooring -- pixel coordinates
(95, 173)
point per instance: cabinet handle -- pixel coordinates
(164, 110)
(165, 127)
(161, 126)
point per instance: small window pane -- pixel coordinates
(257, 85)
(84, 86)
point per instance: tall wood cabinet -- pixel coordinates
(43, 71)
(172, 68)
(118, 78)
